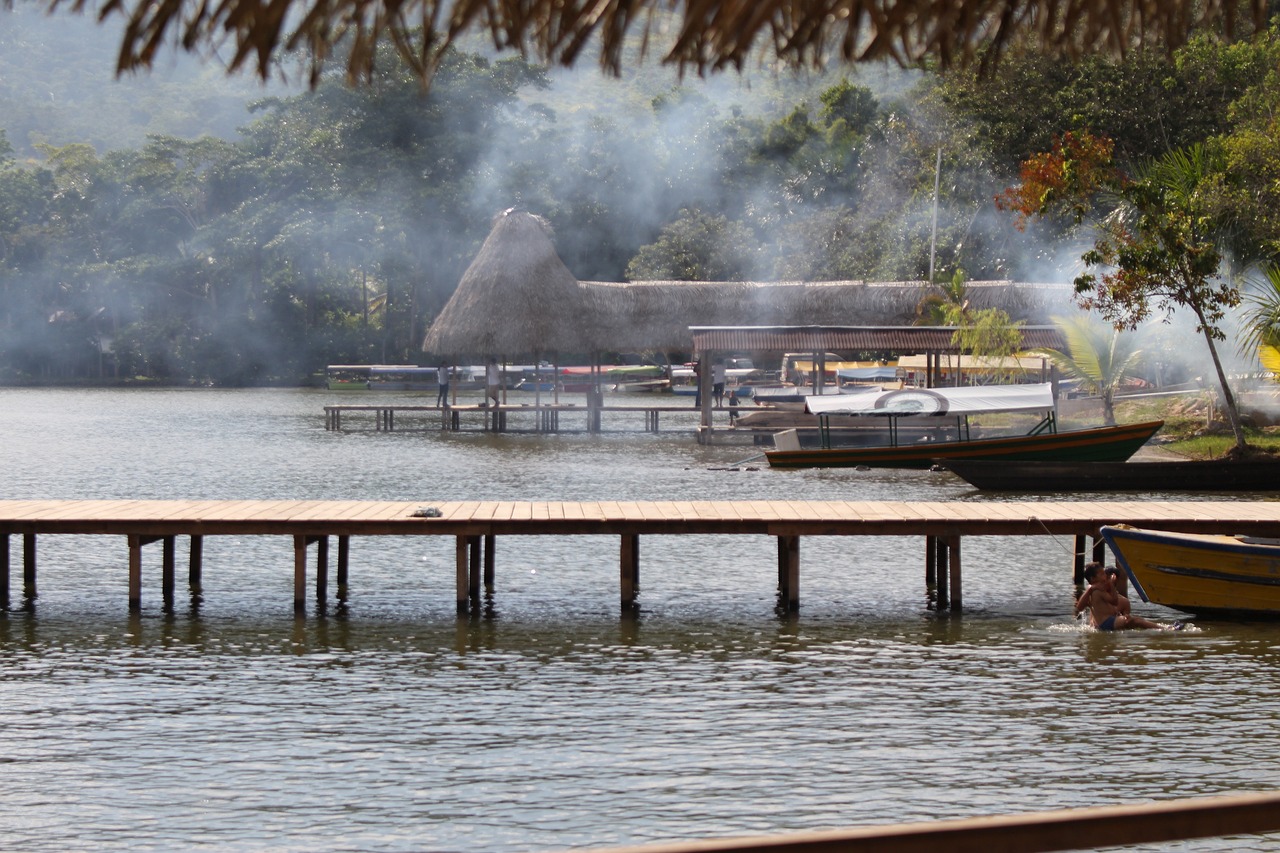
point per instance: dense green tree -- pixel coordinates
(696, 247)
(1158, 250)
(1147, 103)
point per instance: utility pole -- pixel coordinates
(933, 239)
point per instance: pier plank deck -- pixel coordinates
(143, 521)
(554, 517)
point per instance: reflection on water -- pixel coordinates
(549, 721)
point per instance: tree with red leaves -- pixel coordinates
(1157, 246)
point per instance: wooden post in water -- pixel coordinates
(167, 571)
(473, 568)
(461, 548)
(299, 574)
(195, 564)
(782, 566)
(957, 599)
(628, 563)
(930, 560)
(4, 571)
(789, 556)
(29, 565)
(344, 559)
(489, 541)
(1099, 548)
(1077, 566)
(135, 573)
(322, 568)
(941, 547)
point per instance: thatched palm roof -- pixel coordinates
(519, 299)
(705, 35)
(516, 298)
(656, 315)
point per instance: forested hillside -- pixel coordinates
(57, 85)
(335, 226)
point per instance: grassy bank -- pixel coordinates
(1194, 427)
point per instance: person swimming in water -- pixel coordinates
(1108, 609)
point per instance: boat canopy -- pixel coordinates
(935, 401)
(868, 374)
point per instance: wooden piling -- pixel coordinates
(299, 574)
(195, 565)
(344, 558)
(4, 571)
(1099, 549)
(135, 573)
(942, 575)
(489, 541)
(168, 573)
(1077, 571)
(628, 562)
(462, 547)
(322, 568)
(953, 548)
(789, 555)
(782, 566)
(29, 565)
(473, 567)
(930, 560)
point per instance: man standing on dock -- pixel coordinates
(442, 379)
(493, 380)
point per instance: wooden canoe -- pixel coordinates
(1109, 443)
(1053, 477)
(1200, 573)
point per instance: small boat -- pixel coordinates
(1047, 476)
(915, 430)
(1201, 573)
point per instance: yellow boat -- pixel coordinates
(1200, 573)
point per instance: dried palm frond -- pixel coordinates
(705, 35)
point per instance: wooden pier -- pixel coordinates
(477, 524)
(507, 417)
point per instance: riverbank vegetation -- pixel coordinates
(334, 227)
(1195, 426)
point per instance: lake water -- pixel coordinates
(549, 722)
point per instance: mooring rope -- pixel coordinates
(1054, 536)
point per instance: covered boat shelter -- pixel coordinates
(934, 342)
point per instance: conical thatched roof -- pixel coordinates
(516, 299)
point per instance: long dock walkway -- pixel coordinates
(524, 417)
(477, 524)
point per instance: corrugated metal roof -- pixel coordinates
(901, 339)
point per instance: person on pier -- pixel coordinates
(1107, 608)
(442, 379)
(493, 380)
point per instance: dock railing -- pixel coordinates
(1036, 832)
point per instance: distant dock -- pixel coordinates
(533, 417)
(476, 525)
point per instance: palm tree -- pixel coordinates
(946, 303)
(1098, 355)
(1261, 321)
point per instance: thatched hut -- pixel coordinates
(656, 315)
(517, 298)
